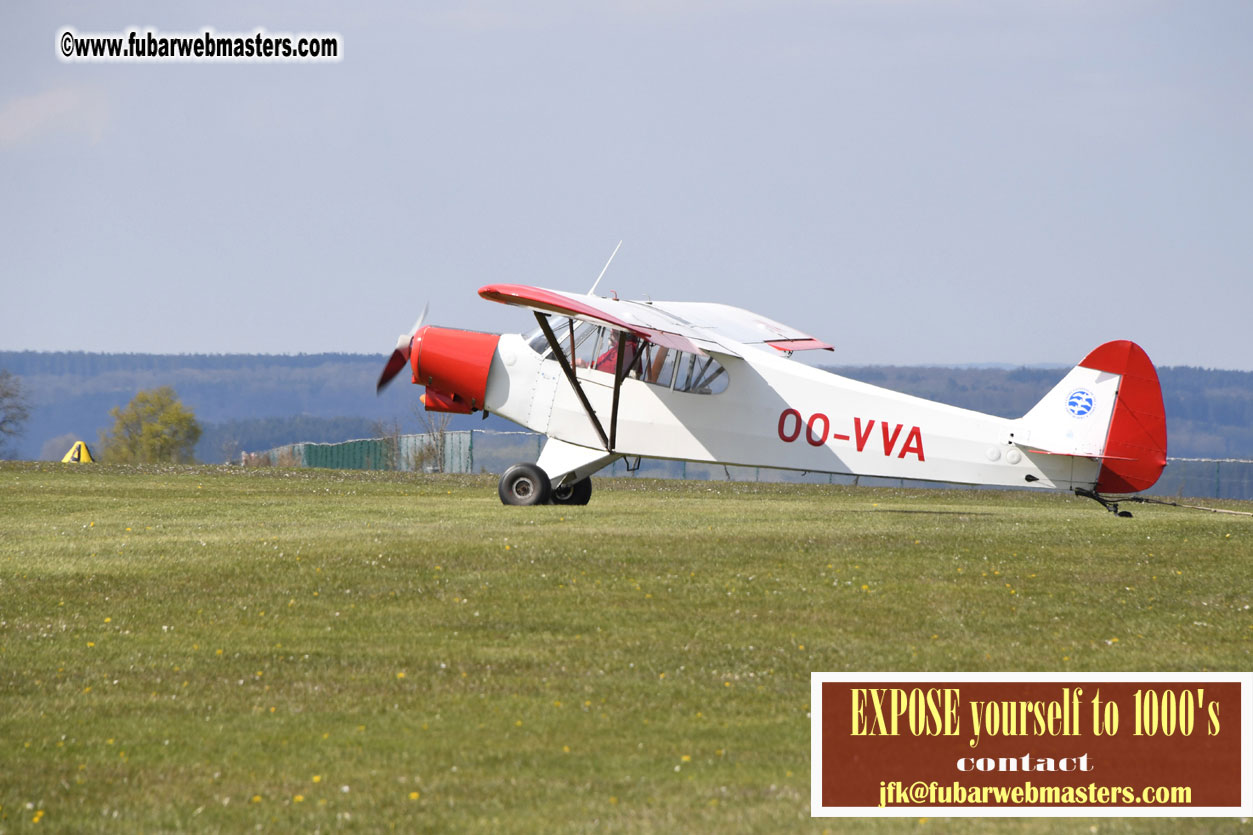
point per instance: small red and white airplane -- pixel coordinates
(605, 378)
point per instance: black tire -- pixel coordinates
(578, 493)
(525, 484)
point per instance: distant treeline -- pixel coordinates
(251, 402)
(84, 364)
(245, 402)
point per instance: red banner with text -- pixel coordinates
(1027, 744)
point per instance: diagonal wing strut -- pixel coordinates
(560, 356)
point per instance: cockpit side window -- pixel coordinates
(660, 368)
(600, 351)
(578, 340)
(537, 342)
(592, 343)
(700, 375)
(595, 347)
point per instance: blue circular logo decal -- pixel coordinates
(1080, 402)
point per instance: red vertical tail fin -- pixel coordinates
(1135, 447)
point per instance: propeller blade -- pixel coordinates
(405, 337)
(400, 356)
(398, 360)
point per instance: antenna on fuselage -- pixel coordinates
(602, 272)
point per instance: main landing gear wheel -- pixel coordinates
(578, 493)
(525, 484)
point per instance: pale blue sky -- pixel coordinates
(911, 181)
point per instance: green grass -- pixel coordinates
(211, 649)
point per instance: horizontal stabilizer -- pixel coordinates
(1075, 455)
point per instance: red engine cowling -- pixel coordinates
(453, 365)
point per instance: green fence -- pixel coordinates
(448, 452)
(485, 451)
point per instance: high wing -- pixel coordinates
(743, 326)
(695, 327)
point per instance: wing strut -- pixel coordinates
(619, 372)
(578, 389)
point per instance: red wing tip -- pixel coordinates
(809, 344)
(493, 291)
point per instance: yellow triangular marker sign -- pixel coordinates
(78, 454)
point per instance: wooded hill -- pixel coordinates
(255, 402)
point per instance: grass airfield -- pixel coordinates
(215, 649)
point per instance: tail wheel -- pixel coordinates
(578, 493)
(525, 484)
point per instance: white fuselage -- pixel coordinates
(778, 413)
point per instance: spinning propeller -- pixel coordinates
(400, 356)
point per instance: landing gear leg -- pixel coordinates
(525, 484)
(1109, 505)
